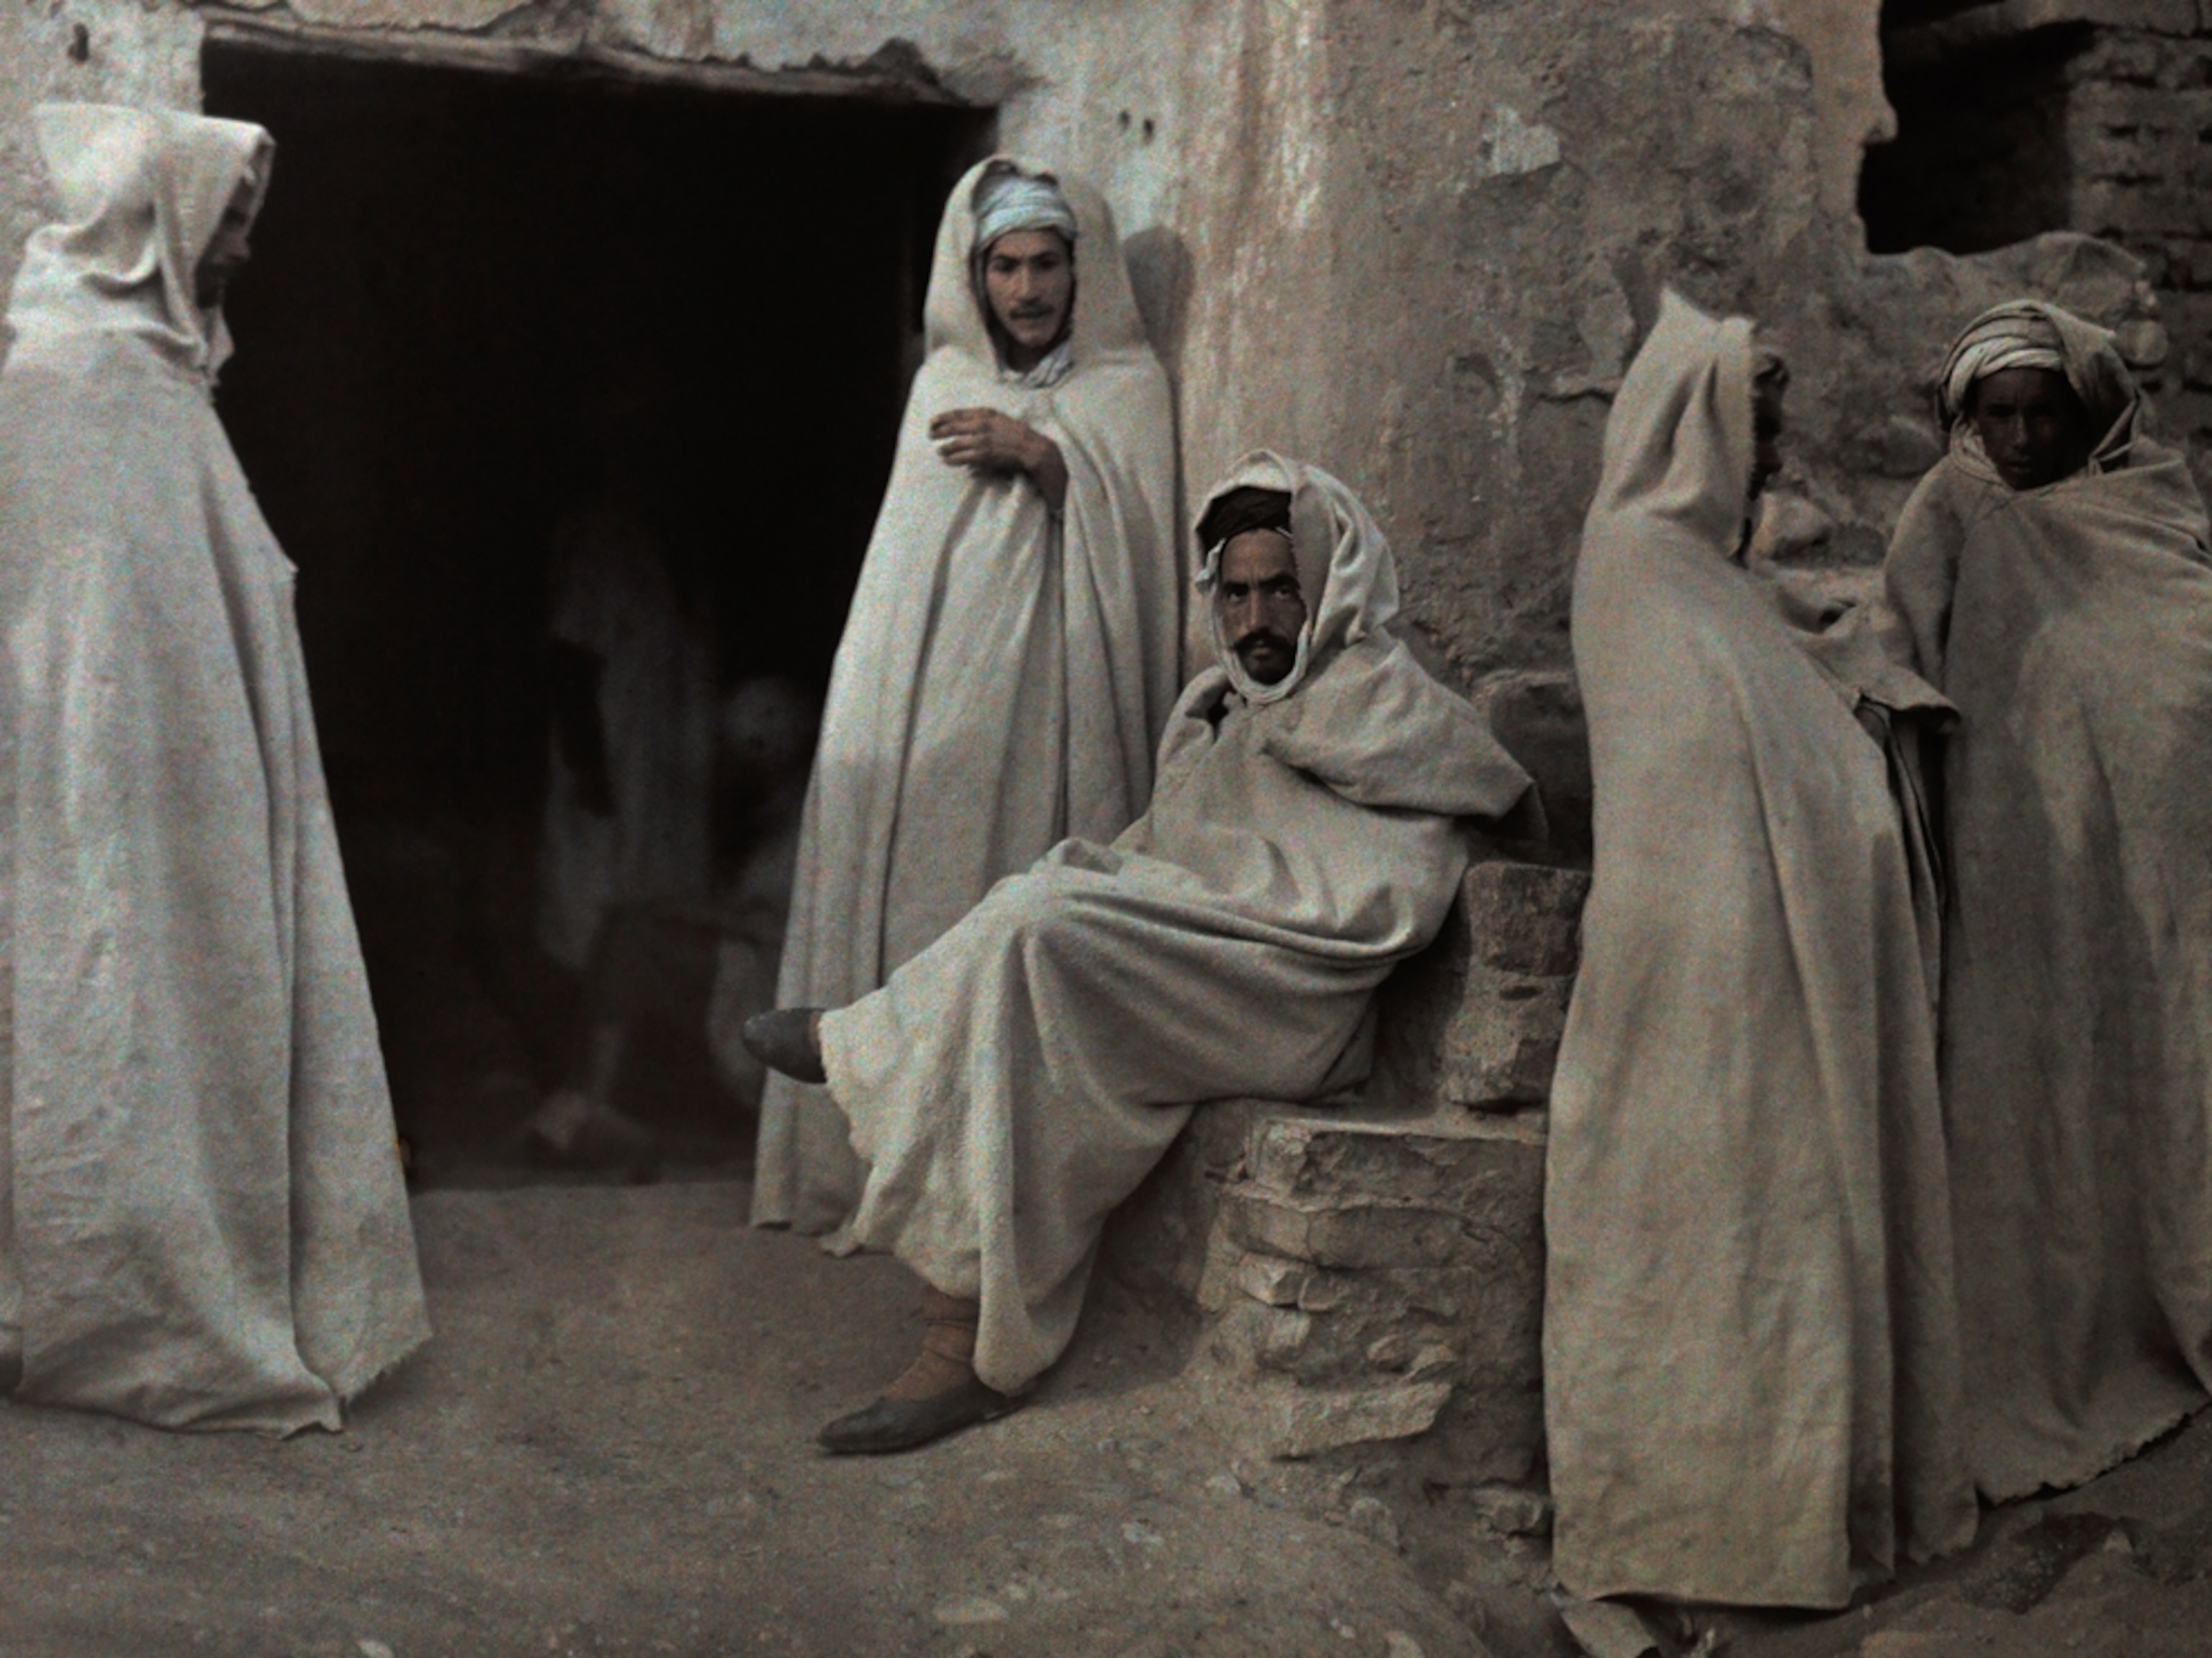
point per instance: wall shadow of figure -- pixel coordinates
(1160, 281)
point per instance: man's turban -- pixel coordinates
(2006, 337)
(1007, 202)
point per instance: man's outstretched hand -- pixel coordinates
(985, 440)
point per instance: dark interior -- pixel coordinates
(461, 280)
(1980, 159)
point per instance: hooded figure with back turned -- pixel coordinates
(203, 1222)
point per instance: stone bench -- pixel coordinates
(1371, 1269)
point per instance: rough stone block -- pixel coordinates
(1512, 1510)
(2129, 210)
(1475, 1019)
(1272, 1280)
(2127, 57)
(2156, 17)
(1488, 1173)
(1328, 1236)
(1538, 717)
(1520, 917)
(1413, 1354)
(2142, 344)
(1502, 1042)
(1304, 1423)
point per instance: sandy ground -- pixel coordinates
(608, 1449)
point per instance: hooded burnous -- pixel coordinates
(202, 1217)
(1750, 1352)
(1005, 670)
(1014, 1081)
(2072, 626)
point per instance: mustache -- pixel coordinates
(1266, 635)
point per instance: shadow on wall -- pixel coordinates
(1160, 279)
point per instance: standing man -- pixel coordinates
(2052, 571)
(1751, 1358)
(202, 1219)
(1012, 649)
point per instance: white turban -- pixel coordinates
(1009, 201)
(2006, 336)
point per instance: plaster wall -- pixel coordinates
(1415, 239)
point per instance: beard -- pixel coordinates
(1279, 654)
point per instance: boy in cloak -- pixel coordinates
(1014, 1081)
(2051, 571)
(1013, 646)
(203, 1222)
(1751, 1361)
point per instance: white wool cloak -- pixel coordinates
(1750, 1347)
(207, 1223)
(2072, 626)
(1013, 1083)
(1003, 675)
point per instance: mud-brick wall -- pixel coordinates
(2136, 126)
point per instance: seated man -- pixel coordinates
(1013, 1083)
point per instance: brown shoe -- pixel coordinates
(940, 1393)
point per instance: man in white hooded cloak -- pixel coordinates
(203, 1222)
(1013, 646)
(1014, 1081)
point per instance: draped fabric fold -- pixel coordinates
(1750, 1350)
(207, 1225)
(2072, 626)
(1003, 674)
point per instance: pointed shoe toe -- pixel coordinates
(902, 1424)
(782, 1039)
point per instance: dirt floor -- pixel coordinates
(608, 1449)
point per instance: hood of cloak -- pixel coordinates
(1678, 445)
(143, 194)
(1356, 711)
(2027, 333)
(1103, 322)
(1345, 572)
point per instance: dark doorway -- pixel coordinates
(1981, 158)
(463, 282)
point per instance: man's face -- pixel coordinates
(2032, 427)
(1765, 433)
(1029, 277)
(227, 252)
(1259, 604)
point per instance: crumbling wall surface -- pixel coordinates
(1414, 242)
(1506, 186)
